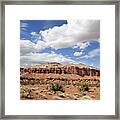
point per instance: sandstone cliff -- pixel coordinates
(57, 68)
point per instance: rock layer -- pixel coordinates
(58, 68)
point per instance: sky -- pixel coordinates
(63, 41)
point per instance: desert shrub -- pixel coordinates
(98, 84)
(56, 87)
(83, 86)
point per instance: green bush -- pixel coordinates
(56, 87)
(98, 84)
(84, 86)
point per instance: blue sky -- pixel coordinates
(65, 41)
(28, 26)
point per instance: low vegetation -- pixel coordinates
(83, 86)
(56, 87)
(59, 88)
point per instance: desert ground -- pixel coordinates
(44, 84)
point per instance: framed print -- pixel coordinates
(59, 60)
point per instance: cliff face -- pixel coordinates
(57, 68)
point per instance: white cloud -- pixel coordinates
(68, 35)
(83, 45)
(78, 53)
(40, 45)
(33, 33)
(35, 37)
(26, 46)
(75, 47)
(32, 59)
(23, 24)
(91, 54)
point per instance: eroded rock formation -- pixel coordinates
(62, 69)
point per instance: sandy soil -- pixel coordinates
(59, 87)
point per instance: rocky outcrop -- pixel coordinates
(62, 69)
